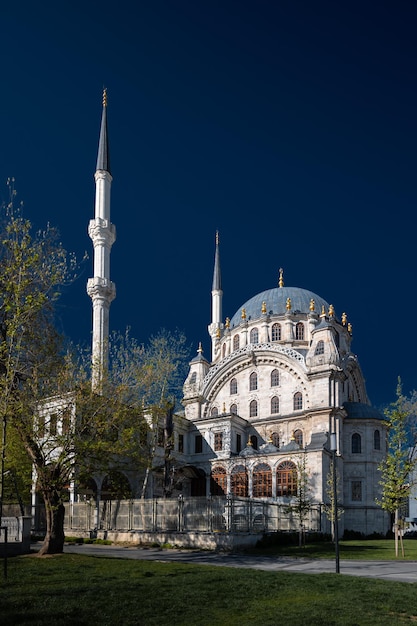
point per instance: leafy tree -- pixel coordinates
(396, 470)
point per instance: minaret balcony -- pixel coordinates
(101, 289)
(102, 231)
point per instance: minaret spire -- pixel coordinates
(216, 299)
(101, 289)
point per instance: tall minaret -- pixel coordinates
(216, 301)
(103, 234)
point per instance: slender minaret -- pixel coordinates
(216, 301)
(103, 234)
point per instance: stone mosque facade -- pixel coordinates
(280, 384)
(282, 378)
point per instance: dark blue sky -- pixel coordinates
(290, 126)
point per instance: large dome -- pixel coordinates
(276, 300)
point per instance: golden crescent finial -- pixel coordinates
(281, 277)
(312, 304)
(227, 323)
(263, 310)
(243, 316)
(200, 348)
(104, 96)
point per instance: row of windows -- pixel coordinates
(275, 334)
(286, 480)
(356, 442)
(219, 441)
(253, 406)
(253, 382)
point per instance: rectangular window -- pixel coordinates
(53, 420)
(41, 426)
(356, 487)
(218, 441)
(66, 420)
(180, 443)
(198, 444)
(238, 442)
(161, 437)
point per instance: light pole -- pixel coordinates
(333, 448)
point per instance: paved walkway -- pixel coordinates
(405, 571)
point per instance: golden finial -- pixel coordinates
(312, 304)
(243, 316)
(217, 238)
(344, 319)
(200, 348)
(218, 333)
(323, 312)
(293, 437)
(227, 322)
(350, 327)
(288, 304)
(249, 442)
(331, 310)
(104, 97)
(263, 307)
(281, 277)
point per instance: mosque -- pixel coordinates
(281, 384)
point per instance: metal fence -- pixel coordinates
(14, 527)
(199, 514)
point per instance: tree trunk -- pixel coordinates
(55, 536)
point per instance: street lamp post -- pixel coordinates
(333, 448)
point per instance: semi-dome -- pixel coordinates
(276, 303)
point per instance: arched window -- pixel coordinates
(298, 437)
(233, 386)
(214, 412)
(274, 378)
(298, 401)
(286, 479)
(253, 381)
(276, 332)
(254, 335)
(377, 440)
(193, 377)
(253, 409)
(262, 481)
(223, 350)
(274, 405)
(319, 347)
(275, 439)
(233, 409)
(239, 481)
(236, 342)
(356, 443)
(218, 482)
(299, 331)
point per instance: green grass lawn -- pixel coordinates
(361, 549)
(75, 589)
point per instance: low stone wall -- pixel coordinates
(195, 540)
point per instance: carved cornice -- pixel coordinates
(102, 232)
(101, 289)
